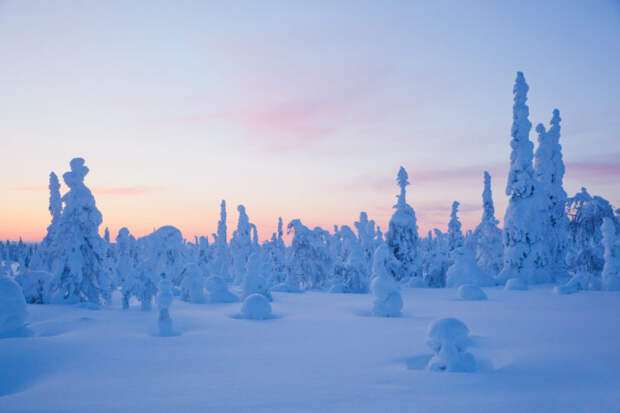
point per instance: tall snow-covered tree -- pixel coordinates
(488, 237)
(526, 254)
(241, 246)
(549, 168)
(367, 237)
(81, 274)
(222, 259)
(402, 237)
(455, 235)
(309, 261)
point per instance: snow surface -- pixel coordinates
(471, 292)
(547, 353)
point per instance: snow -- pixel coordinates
(448, 338)
(13, 311)
(515, 284)
(256, 307)
(472, 293)
(322, 354)
(217, 291)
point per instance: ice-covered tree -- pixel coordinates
(488, 237)
(274, 256)
(367, 237)
(585, 252)
(192, 287)
(80, 271)
(525, 251)
(355, 276)
(309, 261)
(222, 259)
(611, 269)
(388, 302)
(402, 237)
(164, 299)
(455, 235)
(549, 168)
(254, 281)
(125, 255)
(241, 246)
(55, 208)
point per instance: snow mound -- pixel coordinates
(256, 307)
(515, 284)
(466, 271)
(35, 285)
(192, 286)
(449, 338)
(13, 311)
(217, 291)
(472, 293)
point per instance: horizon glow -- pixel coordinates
(295, 110)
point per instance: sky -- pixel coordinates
(295, 109)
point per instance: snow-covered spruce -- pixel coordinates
(402, 237)
(611, 270)
(472, 293)
(217, 291)
(549, 168)
(515, 284)
(274, 252)
(164, 299)
(254, 281)
(526, 255)
(241, 246)
(35, 285)
(436, 260)
(192, 286)
(256, 307)
(167, 248)
(448, 338)
(355, 276)
(309, 262)
(80, 271)
(488, 237)
(13, 312)
(464, 270)
(220, 266)
(46, 253)
(125, 255)
(388, 302)
(455, 235)
(367, 236)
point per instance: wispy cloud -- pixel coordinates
(102, 190)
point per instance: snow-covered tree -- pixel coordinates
(13, 310)
(402, 237)
(241, 246)
(455, 235)
(164, 299)
(388, 302)
(125, 255)
(355, 276)
(80, 271)
(222, 259)
(449, 339)
(611, 270)
(436, 260)
(55, 208)
(525, 251)
(585, 237)
(192, 287)
(274, 252)
(549, 168)
(488, 237)
(309, 261)
(254, 281)
(367, 237)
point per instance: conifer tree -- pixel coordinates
(488, 237)
(402, 237)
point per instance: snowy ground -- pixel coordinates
(539, 352)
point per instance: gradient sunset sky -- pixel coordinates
(295, 109)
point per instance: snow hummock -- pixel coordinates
(449, 338)
(515, 284)
(13, 310)
(256, 307)
(471, 292)
(465, 270)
